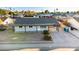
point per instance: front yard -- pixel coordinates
(8, 35)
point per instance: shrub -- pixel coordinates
(47, 38)
(2, 29)
(46, 32)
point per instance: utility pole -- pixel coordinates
(54, 10)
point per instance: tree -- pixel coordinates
(46, 32)
(67, 12)
(2, 12)
(46, 11)
(46, 36)
(11, 13)
(77, 12)
(29, 13)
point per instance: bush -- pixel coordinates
(2, 29)
(46, 32)
(47, 38)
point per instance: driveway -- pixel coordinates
(64, 40)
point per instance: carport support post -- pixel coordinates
(36, 28)
(25, 28)
(57, 28)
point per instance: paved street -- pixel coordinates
(4, 47)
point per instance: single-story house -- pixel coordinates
(34, 24)
(1, 22)
(18, 15)
(8, 21)
(2, 27)
(44, 16)
(59, 16)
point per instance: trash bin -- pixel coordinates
(66, 29)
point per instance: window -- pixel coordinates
(43, 26)
(30, 26)
(20, 26)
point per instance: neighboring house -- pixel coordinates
(18, 15)
(2, 27)
(44, 15)
(76, 16)
(8, 21)
(35, 24)
(70, 14)
(2, 15)
(59, 16)
(73, 23)
(1, 22)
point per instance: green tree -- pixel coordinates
(67, 12)
(29, 13)
(46, 11)
(2, 12)
(77, 12)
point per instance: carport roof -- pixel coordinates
(35, 21)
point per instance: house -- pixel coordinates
(18, 15)
(44, 15)
(76, 15)
(8, 21)
(59, 16)
(1, 22)
(35, 24)
(2, 27)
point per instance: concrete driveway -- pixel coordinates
(64, 40)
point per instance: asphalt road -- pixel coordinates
(10, 47)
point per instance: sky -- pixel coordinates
(51, 9)
(41, 5)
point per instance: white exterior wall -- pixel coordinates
(30, 29)
(27, 29)
(17, 29)
(41, 29)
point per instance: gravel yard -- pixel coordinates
(12, 36)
